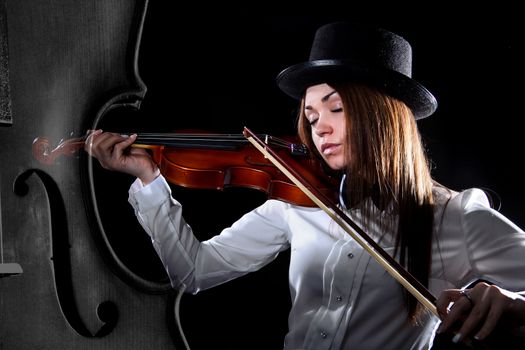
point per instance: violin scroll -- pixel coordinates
(44, 154)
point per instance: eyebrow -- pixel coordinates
(324, 99)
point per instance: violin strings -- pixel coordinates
(172, 138)
(224, 141)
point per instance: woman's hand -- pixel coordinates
(479, 310)
(114, 152)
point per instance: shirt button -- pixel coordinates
(323, 335)
(339, 298)
(351, 255)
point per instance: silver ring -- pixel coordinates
(465, 294)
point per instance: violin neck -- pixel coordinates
(45, 154)
(209, 141)
(213, 141)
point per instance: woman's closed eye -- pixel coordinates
(312, 121)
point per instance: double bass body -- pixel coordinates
(69, 64)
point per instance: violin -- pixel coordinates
(218, 161)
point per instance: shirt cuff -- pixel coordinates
(149, 196)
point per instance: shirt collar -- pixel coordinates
(342, 191)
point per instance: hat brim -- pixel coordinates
(296, 79)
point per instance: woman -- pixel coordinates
(359, 107)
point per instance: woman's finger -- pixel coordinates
(475, 310)
(457, 306)
(88, 144)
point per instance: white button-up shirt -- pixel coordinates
(341, 297)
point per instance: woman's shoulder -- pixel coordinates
(470, 210)
(459, 208)
(465, 200)
(473, 198)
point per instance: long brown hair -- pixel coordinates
(387, 163)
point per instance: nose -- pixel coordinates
(322, 126)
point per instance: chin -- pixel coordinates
(335, 165)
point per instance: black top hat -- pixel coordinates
(347, 52)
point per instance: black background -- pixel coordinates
(217, 73)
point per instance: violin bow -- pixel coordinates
(395, 269)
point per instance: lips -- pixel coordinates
(329, 148)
